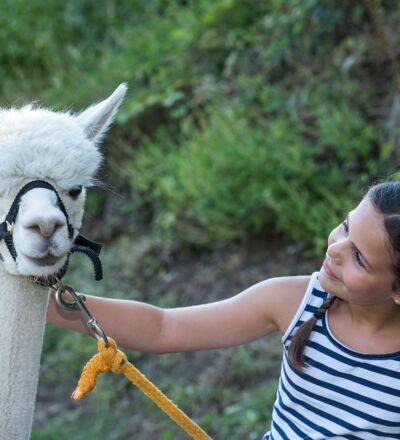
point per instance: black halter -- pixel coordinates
(80, 244)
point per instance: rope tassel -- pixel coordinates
(110, 358)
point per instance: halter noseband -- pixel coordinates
(80, 244)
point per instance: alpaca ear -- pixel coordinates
(96, 119)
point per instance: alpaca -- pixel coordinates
(61, 149)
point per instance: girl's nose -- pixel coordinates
(334, 252)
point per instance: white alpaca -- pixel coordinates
(61, 149)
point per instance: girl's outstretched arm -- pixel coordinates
(131, 323)
(255, 312)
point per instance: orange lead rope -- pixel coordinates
(110, 358)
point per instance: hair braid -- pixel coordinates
(300, 338)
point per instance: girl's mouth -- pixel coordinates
(328, 271)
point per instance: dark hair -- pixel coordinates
(385, 198)
(300, 338)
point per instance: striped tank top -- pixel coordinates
(342, 394)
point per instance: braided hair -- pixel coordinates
(300, 338)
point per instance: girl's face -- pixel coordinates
(358, 264)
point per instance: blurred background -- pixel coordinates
(250, 128)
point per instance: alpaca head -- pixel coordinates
(62, 150)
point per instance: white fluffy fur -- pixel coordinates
(60, 148)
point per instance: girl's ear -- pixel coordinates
(396, 296)
(96, 119)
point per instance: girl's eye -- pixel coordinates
(75, 191)
(357, 256)
(358, 259)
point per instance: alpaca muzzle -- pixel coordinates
(80, 243)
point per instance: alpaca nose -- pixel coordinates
(39, 213)
(46, 226)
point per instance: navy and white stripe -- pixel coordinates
(342, 394)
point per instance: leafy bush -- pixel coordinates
(245, 105)
(229, 179)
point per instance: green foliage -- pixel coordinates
(253, 411)
(38, 40)
(230, 178)
(204, 189)
(53, 429)
(238, 107)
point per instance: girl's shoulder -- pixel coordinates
(289, 294)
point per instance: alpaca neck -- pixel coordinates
(23, 307)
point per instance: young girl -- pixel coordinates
(340, 328)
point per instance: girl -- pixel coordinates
(340, 376)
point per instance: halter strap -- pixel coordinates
(13, 211)
(81, 244)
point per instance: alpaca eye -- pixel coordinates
(75, 191)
